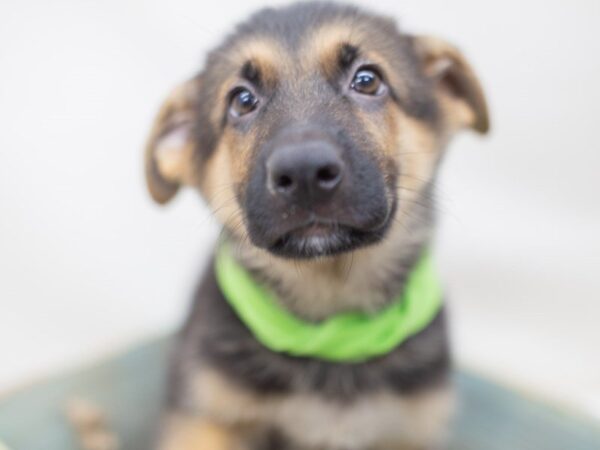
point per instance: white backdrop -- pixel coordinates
(89, 265)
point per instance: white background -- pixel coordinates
(89, 265)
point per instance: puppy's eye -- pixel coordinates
(242, 102)
(367, 82)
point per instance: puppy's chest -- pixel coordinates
(227, 375)
(312, 421)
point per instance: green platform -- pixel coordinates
(129, 388)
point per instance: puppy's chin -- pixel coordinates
(322, 239)
(305, 244)
(309, 234)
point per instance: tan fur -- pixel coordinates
(198, 433)
(170, 147)
(443, 61)
(418, 155)
(268, 55)
(378, 420)
(90, 425)
(321, 49)
(342, 283)
(218, 187)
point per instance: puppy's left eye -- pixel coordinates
(242, 102)
(367, 82)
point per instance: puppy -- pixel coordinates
(314, 133)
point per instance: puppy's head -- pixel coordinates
(313, 126)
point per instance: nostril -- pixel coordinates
(284, 182)
(328, 173)
(329, 176)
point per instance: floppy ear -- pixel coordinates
(448, 68)
(170, 147)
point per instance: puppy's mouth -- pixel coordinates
(319, 238)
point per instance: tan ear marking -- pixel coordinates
(446, 65)
(172, 153)
(170, 145)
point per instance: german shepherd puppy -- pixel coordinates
(314, 133)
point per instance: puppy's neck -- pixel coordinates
(364, 280)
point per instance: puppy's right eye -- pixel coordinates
(242, 102)
(367, 82)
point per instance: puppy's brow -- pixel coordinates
(250, 72)
(260, 61)
(348, 54)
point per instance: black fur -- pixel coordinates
(360, 212)
(215, 337)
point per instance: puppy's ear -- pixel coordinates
(170, 147)
(453, 75)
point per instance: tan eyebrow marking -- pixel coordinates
(322, 48)
(265, 55)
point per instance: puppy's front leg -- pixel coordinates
(199, 433)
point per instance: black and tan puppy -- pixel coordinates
(314, 133)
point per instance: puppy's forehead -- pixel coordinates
(299, 47)
(306, 37)
(327, 45)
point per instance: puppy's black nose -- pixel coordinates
(305, 173)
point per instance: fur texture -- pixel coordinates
(291, 80)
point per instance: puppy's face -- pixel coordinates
(313, 127)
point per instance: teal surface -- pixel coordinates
(129, 388)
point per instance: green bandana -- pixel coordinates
(347, 337)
